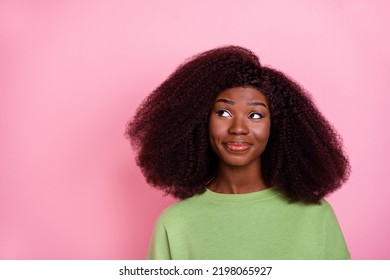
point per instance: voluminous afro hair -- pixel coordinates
(304, 158)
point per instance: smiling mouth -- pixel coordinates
(236, 147)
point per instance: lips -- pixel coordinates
(237, 146)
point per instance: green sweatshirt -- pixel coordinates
(258, 225)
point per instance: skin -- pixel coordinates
(239, 128)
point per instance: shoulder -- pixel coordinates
(320, 211)
(315, 214)
(328, 212)
(180, 210)
(323, 208)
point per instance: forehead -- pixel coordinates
(244, 94)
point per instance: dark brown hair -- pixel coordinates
(304, 158)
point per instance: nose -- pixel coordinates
(238, 126)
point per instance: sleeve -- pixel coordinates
(159, 243)
(336, 247)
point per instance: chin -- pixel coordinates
(238, 163)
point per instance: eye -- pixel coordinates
(224, 113)
(255, 116)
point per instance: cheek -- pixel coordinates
(215, 128)
(262, 133)
(216, 132)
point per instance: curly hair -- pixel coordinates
(304, 157)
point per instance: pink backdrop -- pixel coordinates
(73, 72)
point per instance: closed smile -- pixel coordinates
(237, 146)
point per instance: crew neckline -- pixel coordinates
(245, 197)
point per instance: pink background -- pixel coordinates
(73, 72)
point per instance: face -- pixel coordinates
(239, 126)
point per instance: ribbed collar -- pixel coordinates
(246, 197)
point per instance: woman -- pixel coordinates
(250, 157)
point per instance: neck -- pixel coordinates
(238, 180)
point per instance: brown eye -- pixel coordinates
(224, 113)
(255, 116)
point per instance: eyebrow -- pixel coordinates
(252, 103)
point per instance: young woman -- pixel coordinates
(250, 157)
